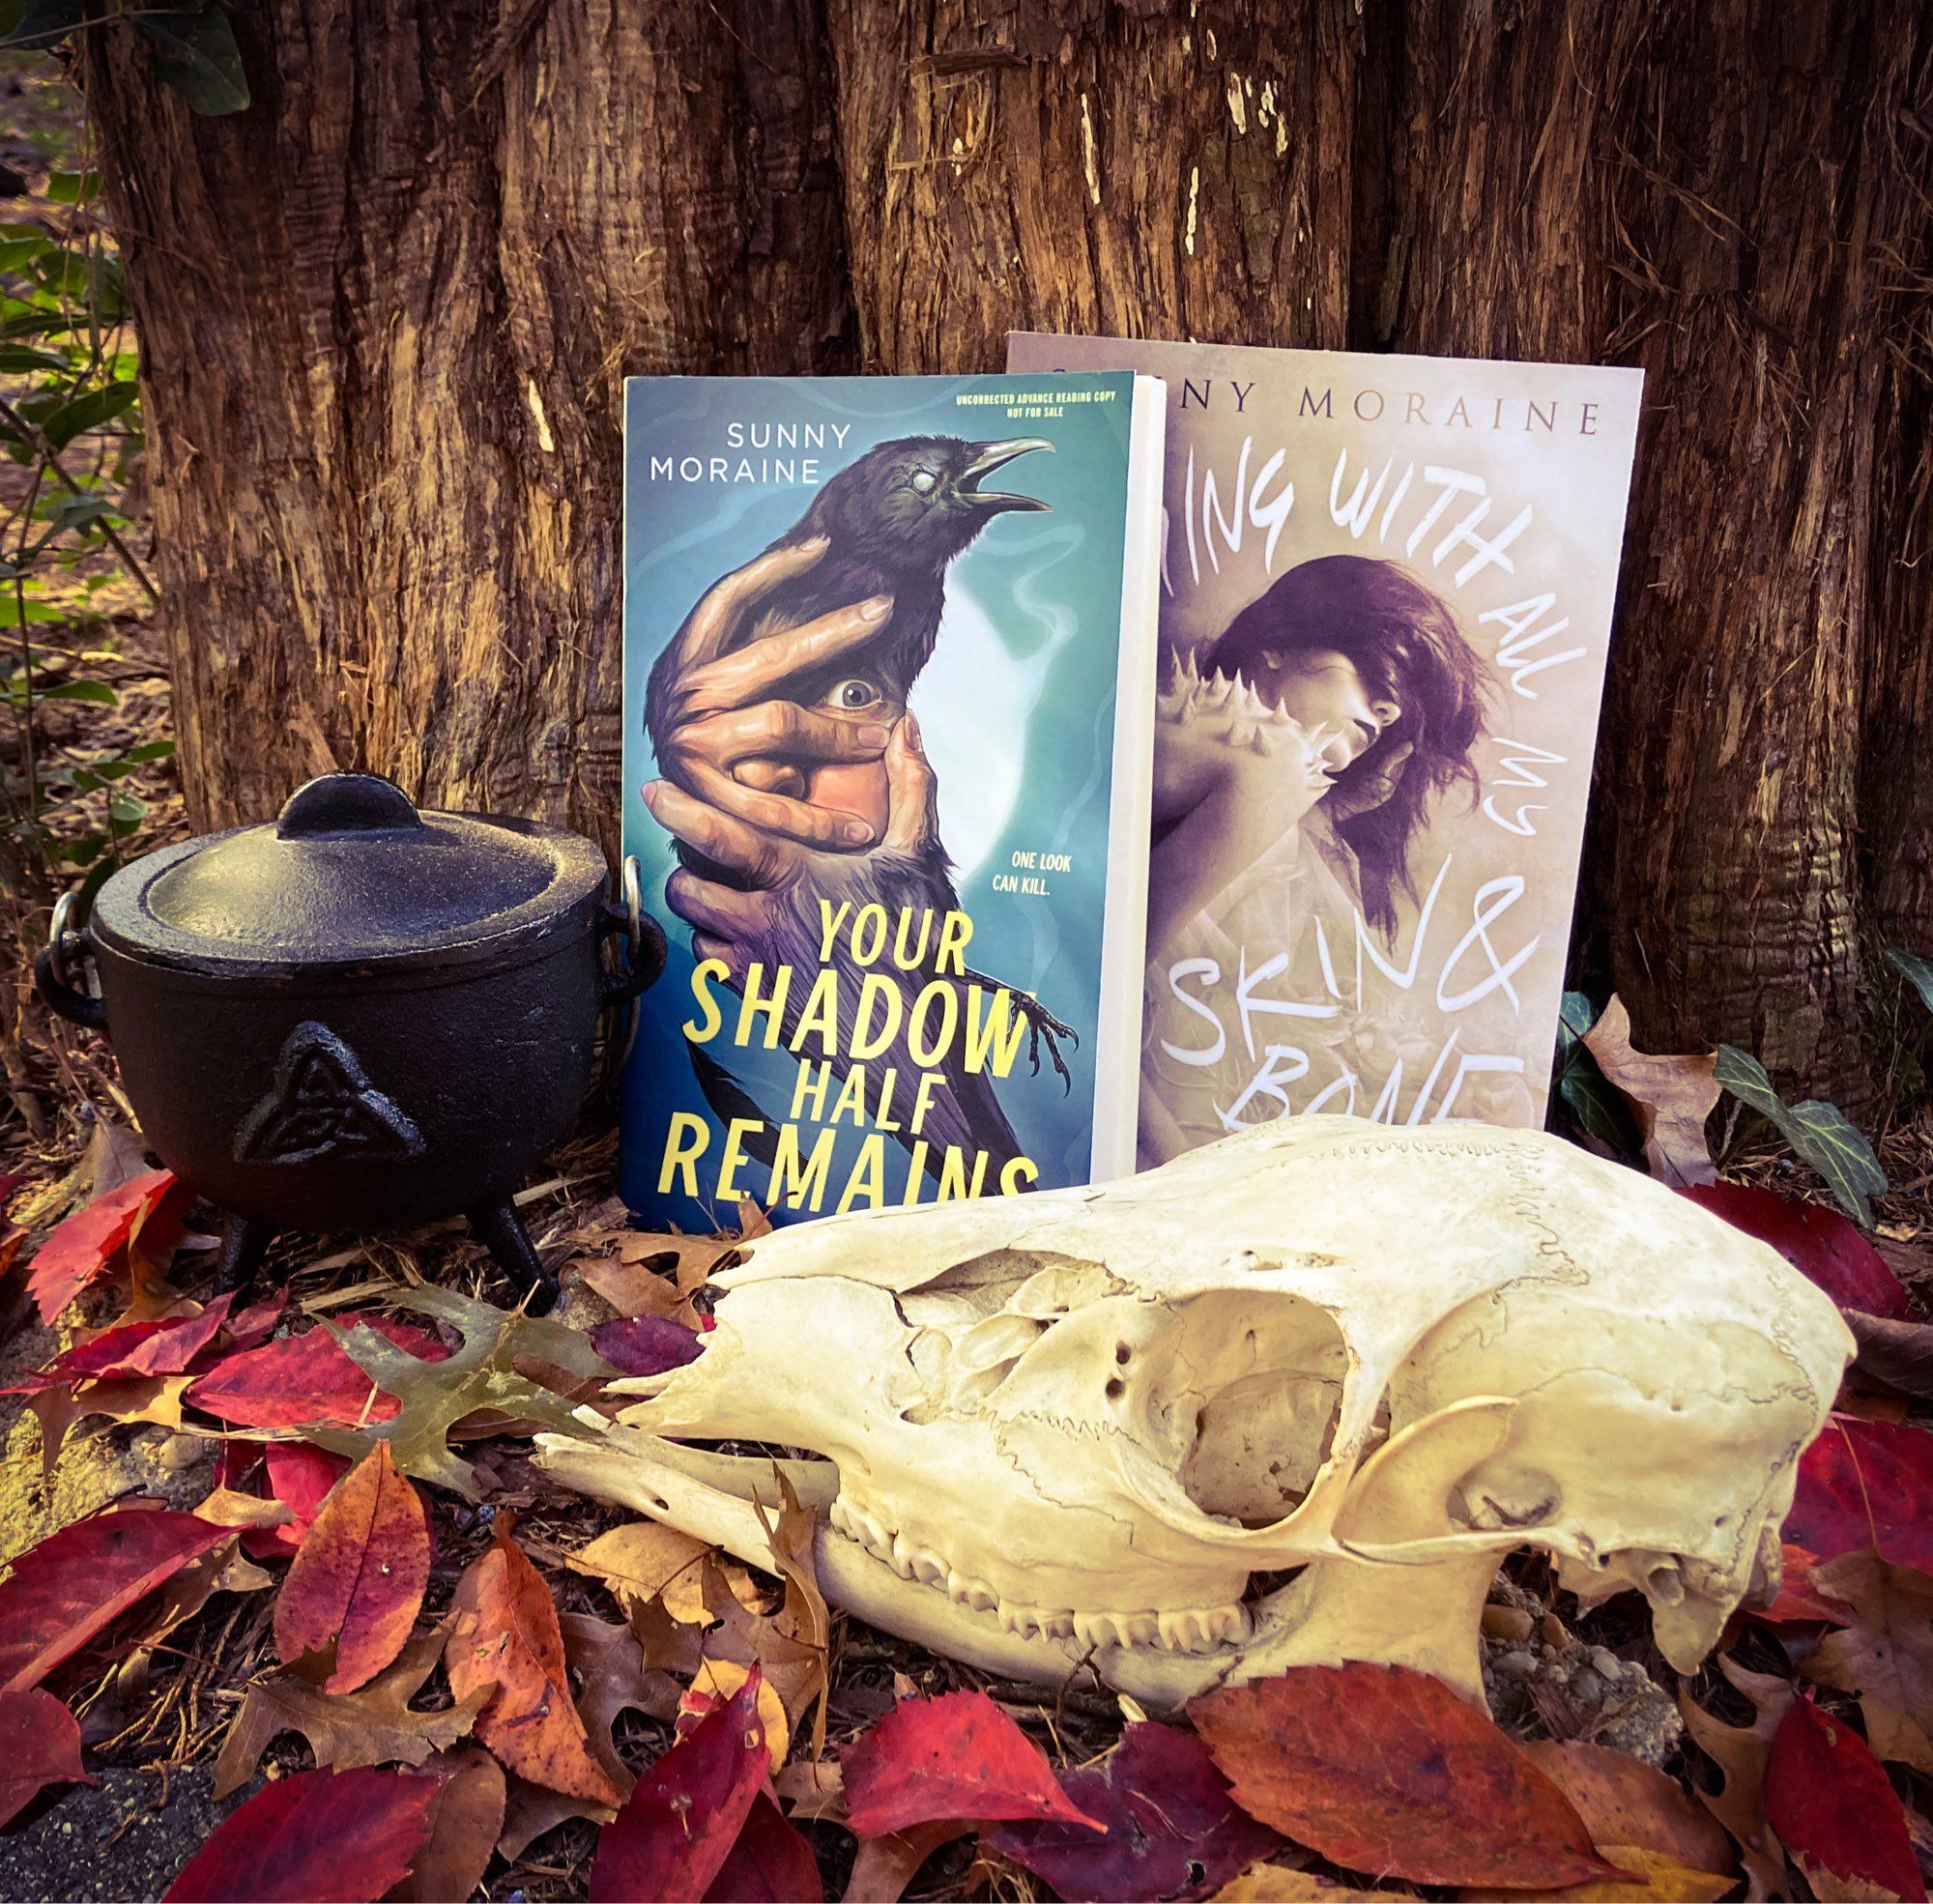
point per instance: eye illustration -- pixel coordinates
(852, 694)
(924, 481)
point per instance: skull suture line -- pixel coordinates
(1078, 1424)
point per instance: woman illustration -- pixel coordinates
(1297, 763)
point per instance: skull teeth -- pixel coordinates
(1182, 1630)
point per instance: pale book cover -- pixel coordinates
(1387, 591)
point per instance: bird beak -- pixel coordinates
(991, 455)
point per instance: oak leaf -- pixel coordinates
(1671, 1097)
(610, 1667)
(1740, 1752)
(154, 1398)
(358, 1579)
(1827, 1799)
(39, 1745)
(84, 1248)
(506, 1643)
(316, 1838)
(1884, 1652)
(1385, 1769)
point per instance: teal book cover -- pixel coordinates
(889, 684)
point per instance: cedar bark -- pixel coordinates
(385, 314)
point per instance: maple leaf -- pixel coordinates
(769, 1862)
(374, 1726)
(1386, 1769)
(1885, 1653)
(39, 1745)
(506, 1643)
(1865, 1484)
(1173, 1829)
(1740, 1752)
(1822, 1246)
(344, 1836)
(84, 1248)
(955, 1757)
(1827, 1799)
(676, 1828)
(65, 1591)
(1672, 1097)
(480, 1375)
(464, 1819)
(306, 1378)
(358, 1579)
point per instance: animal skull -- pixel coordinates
(1078, 1426)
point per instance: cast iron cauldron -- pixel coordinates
(361, 1018)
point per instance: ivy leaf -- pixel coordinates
(196, 54)
(482, 1374)
(1820, 1133)
(1916, 970)
(1595, 1105)
(37, 23)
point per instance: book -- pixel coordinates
(889, 660)
(1387, 586)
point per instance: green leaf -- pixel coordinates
(14, 612)
(1820, 1133)
(1577, 1014)
(72, 187)
(98, 692)
(37, 23)
(17, 251)
(124, 811)
(149, 750)
(198, 57)
(1916, 970)
(79, 512)
(87, 412)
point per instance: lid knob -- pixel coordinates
(346, 803)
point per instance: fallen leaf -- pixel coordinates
(671, 1839)
(955, 1757)
(1740, 1752)
(39, 1745)
(464, 1819)
(1865, 1484)
(316, 1838)
(610, 1667)
(300, 1478)
(84, 1248)
(1827, 1799)
(225, 1569)
(884, 1868)
(506, 1636)
(163, 1346)
(358, 1578)
(65, 1590)
(531, 1810)
(374, 1726)
(1671, 1097)
(1884, 1653)
(721, 1680)
(1633, 1805)
(646, 1344)
(1822, 1245)
(804, 1618)
(642, 1562)
(769, 1862)
(1800, 1600)
(1386, 1769)
(1173, 1830)
(1278, 1883)
(814, 1789)
(302, 1379)
(1657, 1878)
(1895, 1353)
(156, 1399)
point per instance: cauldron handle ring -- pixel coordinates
(55, 966)
(644, 939)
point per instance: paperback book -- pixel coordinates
(1387, 586)
(890, 653)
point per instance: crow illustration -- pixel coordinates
(893, 521)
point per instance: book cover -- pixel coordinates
(1387, 586)
(889, 683)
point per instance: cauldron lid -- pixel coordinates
(351, 871)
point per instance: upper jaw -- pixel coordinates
(990, 457)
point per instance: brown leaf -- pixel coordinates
(1740, 1752)
(644, 1561)
(464, 1820)
(531, 1810)
(374, 1726)
(780, 1644)
(884, 1866)
(1625, 1801)
(1671, 1097)
(506, 1642)
(1895, 1351)
(358, 1579)
(804, 1618)
(1278, 1883)
(123, 1401)
(814, 1789)
(610, 1667)
(1885, 1654)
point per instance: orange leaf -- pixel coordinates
(358, 1578)
(506, 1635)
(1386, 1769)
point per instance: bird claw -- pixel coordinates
(1041, 1024)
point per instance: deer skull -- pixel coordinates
(1074, 1426)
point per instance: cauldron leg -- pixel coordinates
(243, 1244)
(500, 1231)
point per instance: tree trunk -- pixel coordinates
(386, 312)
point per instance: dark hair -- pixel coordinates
(1406, 646)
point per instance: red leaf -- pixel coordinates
(1387, 1771)
(770, 1864)
(166, 1346)
(1173, 1828)
(39, 1745)
(1827, 1799)
(956, 1756)
(316, 1838)
(300, 1476)
(1820, 1244)
(671, 1838)
(359, 1574)
(306, 1378)
(1865, 1484)
(62, 1592)
(1802, 1601)
(83, 1247)
(644, 1344)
